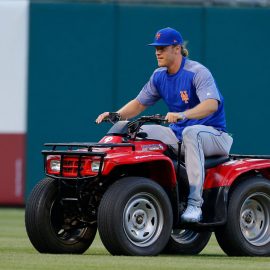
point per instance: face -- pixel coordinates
(166, 56)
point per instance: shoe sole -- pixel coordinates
(193, 220)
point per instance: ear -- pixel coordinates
(177, 49)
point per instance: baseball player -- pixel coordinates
(196, 112)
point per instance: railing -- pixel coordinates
(231, 3)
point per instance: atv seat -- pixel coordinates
(210, 162)
(213, 161)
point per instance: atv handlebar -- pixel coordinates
(114, 117)
(133, 127)
(156, 118)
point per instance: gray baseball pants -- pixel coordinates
(199, 141)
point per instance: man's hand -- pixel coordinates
(101, 117)
(174, 117)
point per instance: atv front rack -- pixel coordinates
(67, 149)
(89, 146)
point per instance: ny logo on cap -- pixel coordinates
(158, 36)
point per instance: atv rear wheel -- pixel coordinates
(247, 231)
(187, 242)
(135, 217)
(49, 229)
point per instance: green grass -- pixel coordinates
(16, 252)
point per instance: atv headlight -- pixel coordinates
(55, 165)
(95, 166)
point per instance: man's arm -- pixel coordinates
(200, 111)
(131, 109)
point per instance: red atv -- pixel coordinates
(134, 190)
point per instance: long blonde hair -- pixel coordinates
(184, 51)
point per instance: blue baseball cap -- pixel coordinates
(166, 37)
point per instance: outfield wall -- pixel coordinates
(85, 58)
(13, 100)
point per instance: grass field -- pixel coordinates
(16, 252)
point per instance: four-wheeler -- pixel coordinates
(133, 190)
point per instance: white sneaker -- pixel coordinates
(192, 214)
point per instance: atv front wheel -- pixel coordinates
(187, 242)
(49, 228)
(135, 217)
(247, 231)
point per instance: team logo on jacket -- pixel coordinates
(184, 96)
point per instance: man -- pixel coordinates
(196, 111)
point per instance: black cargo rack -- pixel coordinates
(90, 146)
(70, 151)
(239, 156)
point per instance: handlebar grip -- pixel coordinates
(112, 117)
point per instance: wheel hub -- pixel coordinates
(139, 219)
(68, 229)
(143, 219)
(255, 218)
(248, 218)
